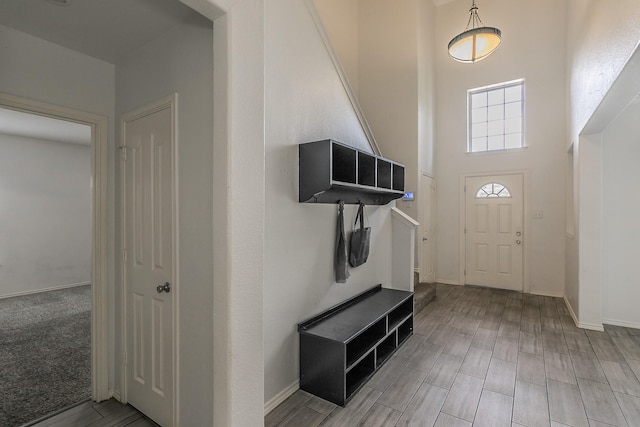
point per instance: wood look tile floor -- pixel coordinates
(485, 357)
(109, 413)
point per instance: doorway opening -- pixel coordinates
(97, 235)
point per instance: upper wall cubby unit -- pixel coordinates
(331, 172)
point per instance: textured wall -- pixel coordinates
(601, 36)
(621, 229)
(305, 101)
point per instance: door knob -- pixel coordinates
(518, 242)
(518, 234)
(424, 239)
(164, 288)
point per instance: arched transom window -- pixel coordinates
(493, 189)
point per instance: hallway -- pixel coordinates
(486, 357)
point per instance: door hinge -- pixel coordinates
(124, 256)
(123, 153)
(465, 230)
(124, 357)
(465, 271)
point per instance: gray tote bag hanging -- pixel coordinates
(359, 244)
(340, 261)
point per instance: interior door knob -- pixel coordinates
(166, 287)
(518, 242)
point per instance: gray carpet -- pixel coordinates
(45, 353)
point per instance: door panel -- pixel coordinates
(149, 225)
(482, 257)
(482, 219)
(504, 259)
(494, 232)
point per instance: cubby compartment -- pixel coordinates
(359, 374)
(332, 172)
(344, 164)
(385, 349)
(343, 346)
(365, 341)
(366, 169)
(384, 173)
(400, 313)
(398, 177)
(405, 330)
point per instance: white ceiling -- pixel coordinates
(104, 29)
(39, 127)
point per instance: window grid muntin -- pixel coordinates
(493, 190)
(499, 107)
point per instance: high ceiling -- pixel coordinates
(104, 29)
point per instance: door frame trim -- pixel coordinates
(171, 102)
(99, 228)
(462, 211)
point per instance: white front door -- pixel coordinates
(148, 138)
(494, 231)
(427, 226)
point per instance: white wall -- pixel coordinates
(388, 82)
(600, 39)
(426, 15)
(621, 228)
(238, 213)
(37, 69)
(340, 19)
(181, 61)
(538, 57)
(305, 102)
(601, 36)
(45, 222)
(386, 51)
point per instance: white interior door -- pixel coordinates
(494, 231)
(427, 228)
(149, 264)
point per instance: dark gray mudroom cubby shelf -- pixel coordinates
(331, 171)
(342, 347)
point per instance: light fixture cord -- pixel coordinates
(474, 18)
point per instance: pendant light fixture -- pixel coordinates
(476, 42)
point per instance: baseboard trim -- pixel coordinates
(622, 323)
(591, 326)
(281, 397)
(583, 325)
(571, 312)
(448, 282)
(547, 294)
(52, 288)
